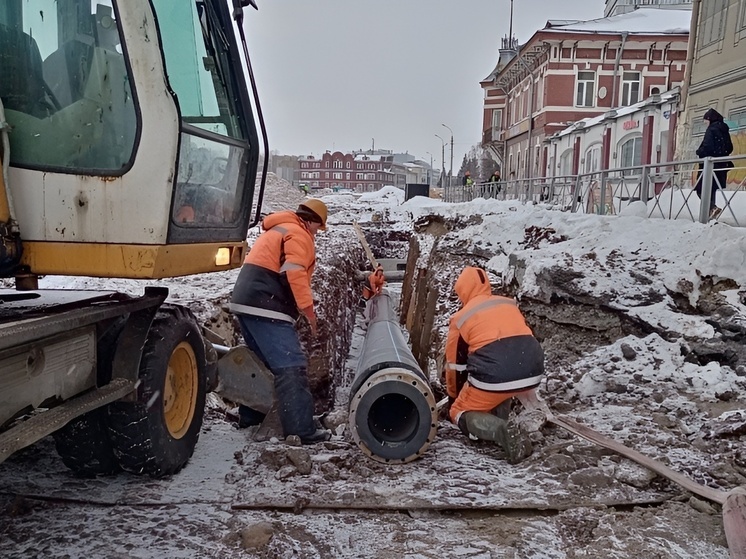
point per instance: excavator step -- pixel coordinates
(45, 423)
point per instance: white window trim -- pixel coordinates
(578, 81)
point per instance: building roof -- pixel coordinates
(665, 97)
(643, 21)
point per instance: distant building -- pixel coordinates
(572, 70)
(615, 7)
(718, 77)
(337, 170)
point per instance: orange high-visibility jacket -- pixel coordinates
(275, 280)
(475, 334)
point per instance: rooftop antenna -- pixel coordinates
(510, 33)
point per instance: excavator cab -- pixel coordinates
(131, 142)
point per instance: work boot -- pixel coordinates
(715, 212)
(488, 427)
(319, 436)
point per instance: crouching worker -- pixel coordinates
(272, 290)
(491, 356)
(373, 283)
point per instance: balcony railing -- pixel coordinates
(665, 190)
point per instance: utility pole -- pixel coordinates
(442, 158)
(450, 173)
(430, 170)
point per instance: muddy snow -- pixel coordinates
(643, 322)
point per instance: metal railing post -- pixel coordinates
(602, 201)
(575, 191)
(645, 185)
(705, 190)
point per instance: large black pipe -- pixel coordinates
(393, 416)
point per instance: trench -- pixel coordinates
(568, 326)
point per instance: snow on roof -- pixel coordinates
(665, 97)
(643, 20)
(363, 157)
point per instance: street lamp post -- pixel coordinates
(430, 170)
(450, 173)
(442, 157)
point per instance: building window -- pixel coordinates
(326, 175)
(337, 176)
(566, 162)
(304, 165)
(337, 164)
(348, 175)
(592, 158)
(630, 153)
(360, 176)
(370, 176)
(712, 26)
(304, 175)
(372, 166)
(585, 89)
(497, 119)
(630, 88)
(348, 165)
(742, 16)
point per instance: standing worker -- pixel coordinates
(491, 356)
(467, 180)
(272, 290)
(493, 184)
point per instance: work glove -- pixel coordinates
(311, 317)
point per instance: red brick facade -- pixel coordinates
(576, 75)
(361, 173)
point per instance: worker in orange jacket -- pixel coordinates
(491, 356)
(272, 290)
(374, 283)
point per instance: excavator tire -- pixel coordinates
(157, 433)
(84, 444)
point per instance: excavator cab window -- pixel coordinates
(65, 86)
(215, 150)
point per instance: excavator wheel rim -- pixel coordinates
(180, 390)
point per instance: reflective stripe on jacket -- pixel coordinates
(275, 280)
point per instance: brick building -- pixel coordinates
(337, 170)
(572, 70)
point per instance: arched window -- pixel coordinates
(566, 163)
(630, 152)
(592, 158)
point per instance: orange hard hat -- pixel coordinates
(317, 207)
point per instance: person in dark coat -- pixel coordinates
(716, 143)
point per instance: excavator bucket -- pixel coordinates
(244, 379)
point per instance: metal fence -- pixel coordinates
(664, 190)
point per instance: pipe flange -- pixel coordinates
(393, 416)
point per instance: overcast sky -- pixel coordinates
(337, 74)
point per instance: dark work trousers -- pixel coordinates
(276, 343)
(719, 179)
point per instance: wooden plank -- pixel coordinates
(364, 242)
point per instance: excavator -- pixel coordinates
(129, 150)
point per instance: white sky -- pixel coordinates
(335, 74)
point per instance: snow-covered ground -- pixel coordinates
(239, 498)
